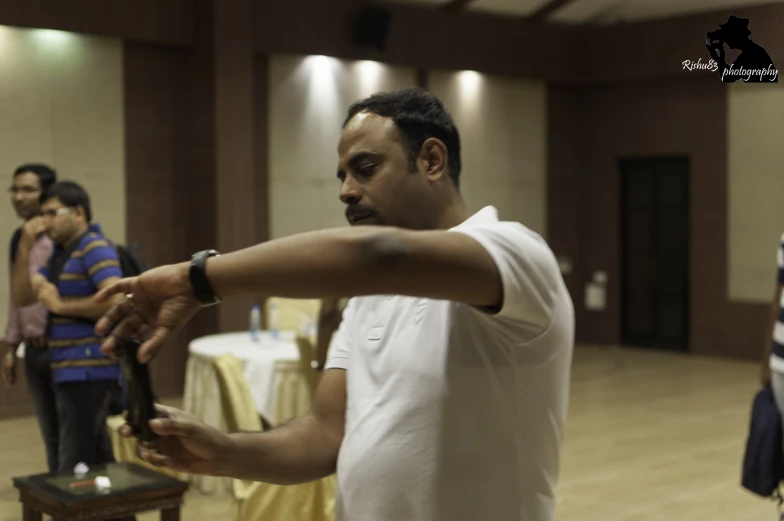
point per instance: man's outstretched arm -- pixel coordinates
(305, 449)
(322, 264)
(362, 261)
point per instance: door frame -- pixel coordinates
(622, 184)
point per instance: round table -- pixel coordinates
(271, 367)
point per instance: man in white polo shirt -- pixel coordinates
(446, 388)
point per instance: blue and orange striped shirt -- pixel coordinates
(74, 348)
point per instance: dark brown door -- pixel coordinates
(655, 252)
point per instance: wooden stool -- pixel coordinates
(134, 489)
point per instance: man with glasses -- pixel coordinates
(84, 379)
(26, 324)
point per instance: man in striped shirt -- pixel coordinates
(773, 361)
(84, 378)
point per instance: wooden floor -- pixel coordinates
(651, 436)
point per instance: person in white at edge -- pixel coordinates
(773, 353)
(446, 388)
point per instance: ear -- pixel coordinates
(433, 158)
(79, 211)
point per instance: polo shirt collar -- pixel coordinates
(488, 214)
(92, 228)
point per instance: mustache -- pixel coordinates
(358, 210)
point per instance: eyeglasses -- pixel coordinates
(24, 189)
(55, 213)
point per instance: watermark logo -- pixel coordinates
(753, 64)
(700, 65)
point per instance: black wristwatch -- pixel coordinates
(202, 289)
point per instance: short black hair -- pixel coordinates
(419, 115)
(71, 195)
(46, 174)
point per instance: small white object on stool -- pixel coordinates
(81, 469)
(103, 483)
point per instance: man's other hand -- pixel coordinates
(30, 232)
(159, 302)
(9, 364)
(765, 377)
(185, 444)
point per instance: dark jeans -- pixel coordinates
(82, 408)
(39, 382)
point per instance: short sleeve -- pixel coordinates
(529, 272)
(780, 261)
(340, 346)
(101, 261)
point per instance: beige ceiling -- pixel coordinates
(600, 11)
(508, 7)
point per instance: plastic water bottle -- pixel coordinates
(273, 320)
(306, 326)
(310, 329)
(255, 322)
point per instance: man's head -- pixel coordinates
(66, 211)
(30, 182)
(399, 160)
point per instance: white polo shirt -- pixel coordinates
(455, 414)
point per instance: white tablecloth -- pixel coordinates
(260, 359)
(272, 369)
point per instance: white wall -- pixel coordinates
(308, 100)
(755, 165)
(61, 103)
(502, 124)
(503, 134)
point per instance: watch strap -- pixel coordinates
(202, 290)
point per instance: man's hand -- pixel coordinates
(162, 302)
(30, 232)
(9, 364)
(766, 376)
(185, 444)
(49, 296)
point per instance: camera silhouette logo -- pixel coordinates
(753, 64)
